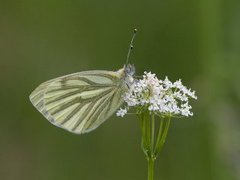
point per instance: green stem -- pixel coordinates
(146, 133)
(159, 134)
(165, 132)
(153, 133)
(150, 168)
(151, 146)
(143, 131)
(148, 129)
(163, 135)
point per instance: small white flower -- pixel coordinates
(121, 112)
(158, 96)
(178, 84)
(167, 84)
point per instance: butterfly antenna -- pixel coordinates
(131, 45)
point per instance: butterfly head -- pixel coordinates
(129, 69)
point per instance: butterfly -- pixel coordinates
(82, 101)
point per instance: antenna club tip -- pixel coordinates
(131, 46)
(135, 30)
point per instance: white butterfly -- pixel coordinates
(80, 102)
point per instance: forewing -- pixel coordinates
(79, 102)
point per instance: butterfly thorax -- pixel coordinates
(126, 74)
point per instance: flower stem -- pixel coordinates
(159, 135)
(153, 133)
(162, 135)
(151, 146)
(150, 168)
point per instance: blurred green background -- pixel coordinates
(198, 41)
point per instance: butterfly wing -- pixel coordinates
(80, 102)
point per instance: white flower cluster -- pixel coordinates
(159, 96)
